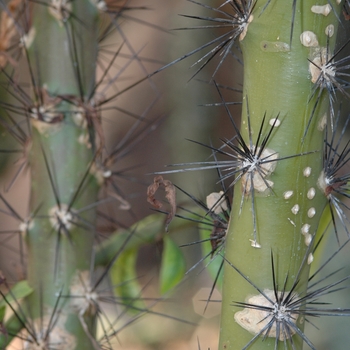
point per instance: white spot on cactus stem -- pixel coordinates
(100, 172)
(308, 39)
(78, 115)
(322, 123)
(275, 122)
(268, 312)
(311, 193)
(321, 10)
(46, 112)
(292, 222)
(27, 39)
(295, 209)
(100, 4)
(308, 239)
(26, 225)
(84, 139)
(254, 243)
(107, 173)
(311, 212)
(307, 171)
(103, 175)
(216, 202)
(305, 229)
(329, 30)
(288, 194)
(310, 259)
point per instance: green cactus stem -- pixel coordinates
(277, 205)
(62, 50)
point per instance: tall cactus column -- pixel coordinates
(62, 50)
(278, 202)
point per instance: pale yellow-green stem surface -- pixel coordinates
(287, 207)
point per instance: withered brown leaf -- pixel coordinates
(170, 195)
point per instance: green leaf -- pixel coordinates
(13, 325)
(148, 230)
(125, 280)
(18, 291)
(173, 265)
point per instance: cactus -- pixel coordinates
(285, 165)
(281, 173)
